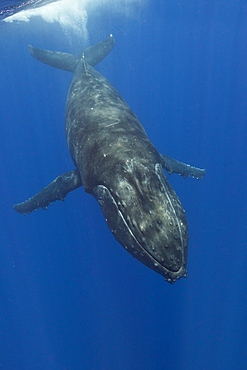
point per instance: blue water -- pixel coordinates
(70, 296)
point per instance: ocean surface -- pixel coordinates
(71, 297)
(11, 7)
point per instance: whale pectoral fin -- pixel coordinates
(173, 166)
(56, 190)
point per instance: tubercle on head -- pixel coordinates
(172, 281)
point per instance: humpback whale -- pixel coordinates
(116, 162)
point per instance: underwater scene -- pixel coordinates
(123, 185)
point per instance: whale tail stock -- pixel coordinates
(68, 62)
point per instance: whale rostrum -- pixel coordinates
(117, 163)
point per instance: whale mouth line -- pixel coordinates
(124, 234)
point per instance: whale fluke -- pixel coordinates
(68, 62)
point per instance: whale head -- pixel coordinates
(146, 217)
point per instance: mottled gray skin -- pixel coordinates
(117, 163)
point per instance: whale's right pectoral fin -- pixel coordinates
(173, 166)
(56, 190)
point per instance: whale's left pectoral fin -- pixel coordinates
(173, 166)
(56, 190)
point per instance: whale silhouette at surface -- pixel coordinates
(117, 163)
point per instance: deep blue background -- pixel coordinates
(70, 296)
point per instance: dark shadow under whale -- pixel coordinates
(117, 163)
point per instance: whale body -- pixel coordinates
(117, 163)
